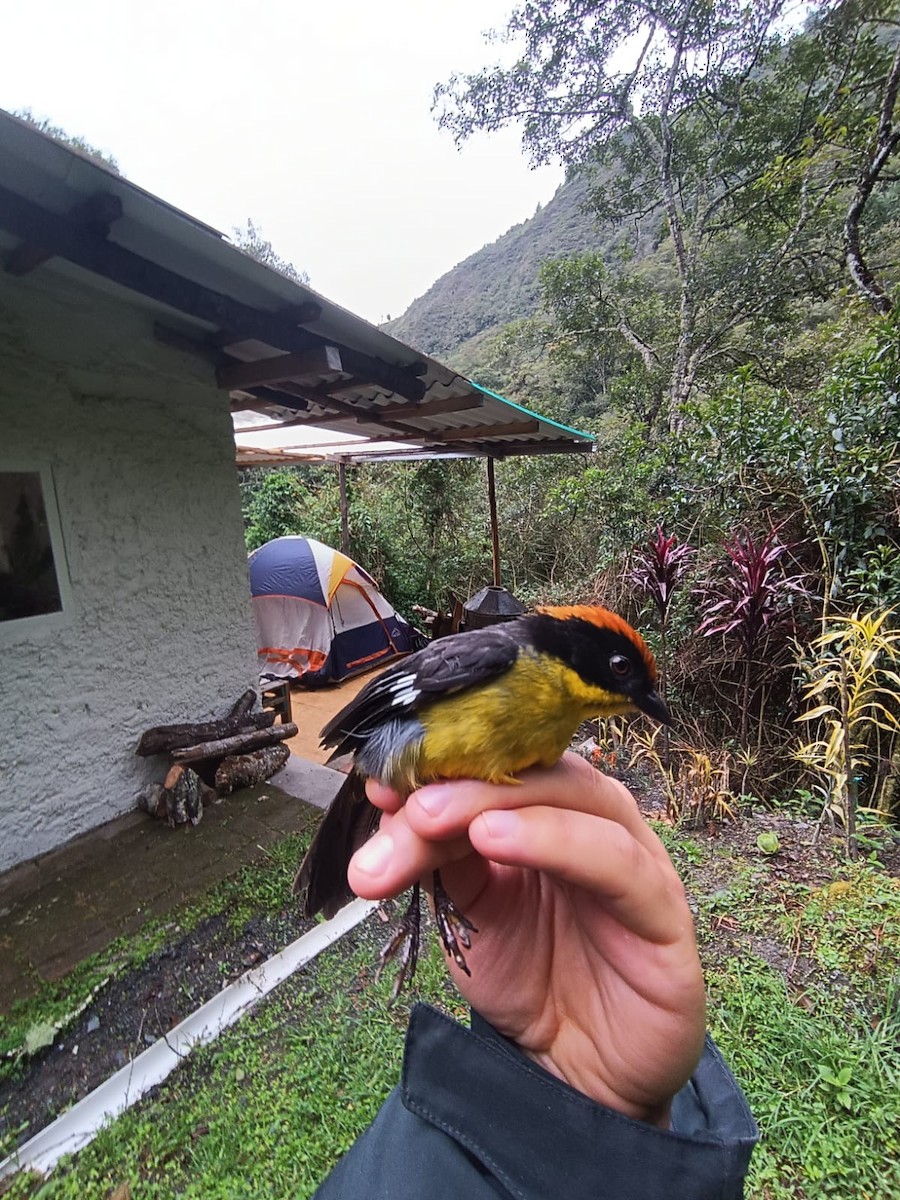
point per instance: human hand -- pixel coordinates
(585, 954)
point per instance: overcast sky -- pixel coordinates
(313, 119)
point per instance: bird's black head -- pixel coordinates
(604, 650)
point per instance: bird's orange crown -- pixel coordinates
(604, 619)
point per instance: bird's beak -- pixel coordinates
(654, 706)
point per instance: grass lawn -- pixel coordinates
(266, 1109)
(803, 965)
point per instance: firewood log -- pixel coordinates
(172, 737)
(180, 798)
(244, 770)
(242, 741)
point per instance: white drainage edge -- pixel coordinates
(78, 1126)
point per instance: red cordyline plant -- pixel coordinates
(749, 601)
(658, 571)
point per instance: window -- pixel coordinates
(33, 583)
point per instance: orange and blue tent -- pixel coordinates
(319, 616)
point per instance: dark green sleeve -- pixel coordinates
(475, 1118)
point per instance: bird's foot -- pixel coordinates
(403, 945)
(454, 927)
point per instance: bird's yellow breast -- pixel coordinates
(522, 719)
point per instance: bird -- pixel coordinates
(481, 704)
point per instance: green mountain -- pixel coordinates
(499, 283)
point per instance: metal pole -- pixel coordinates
(345, 511)
(495, 535)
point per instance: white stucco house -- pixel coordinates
(130, 336)
(117, 469)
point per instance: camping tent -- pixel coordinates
(319, 615)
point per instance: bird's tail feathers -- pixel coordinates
(348, 822)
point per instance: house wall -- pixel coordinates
(158, 627)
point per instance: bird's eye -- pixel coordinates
(620, 666)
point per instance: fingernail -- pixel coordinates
(501, 823)
(433, 800)
(374, 856)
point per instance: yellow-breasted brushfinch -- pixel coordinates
(484, 704)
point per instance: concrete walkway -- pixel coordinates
(59, 909)
(313, 709)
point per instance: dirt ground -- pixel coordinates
(311, 708)
(131, 1012)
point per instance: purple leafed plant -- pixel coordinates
(660, 567)
(658, 571)
(750, 600)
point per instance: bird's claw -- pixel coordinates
(402, 945)
(454, 928)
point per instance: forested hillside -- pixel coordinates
(499, 283)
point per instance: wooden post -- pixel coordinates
(495, 535)
(345, 512)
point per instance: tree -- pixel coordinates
(879, 148)
(622, 322)
(250, 239)
(275, 505)
(710, 128)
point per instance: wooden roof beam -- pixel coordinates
(431, 408)
(405, 381)
(300, 314)
(367, 371)
(254, 456)
(340, 409)
(281, 367)
(290, 389)
(473, 450)
(507, 449)
(386, 414)
(276, 399)
(418, 453)
(322, 393)
(96, 214)
(60, 236)
(65, 239)
(304, 313)
(341, 387)
(479, 433)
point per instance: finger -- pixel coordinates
(395, 857)
(445, 810)
(593, 853)
(383, 797)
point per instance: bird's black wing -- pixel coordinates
(448, 665)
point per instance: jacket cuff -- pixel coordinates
(539, 1136)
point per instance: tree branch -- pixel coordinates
(886, 142)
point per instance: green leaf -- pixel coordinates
(768, 842)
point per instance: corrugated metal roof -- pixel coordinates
(324, 368)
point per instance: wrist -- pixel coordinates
(595, 1088)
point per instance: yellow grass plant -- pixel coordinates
(853, 694)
